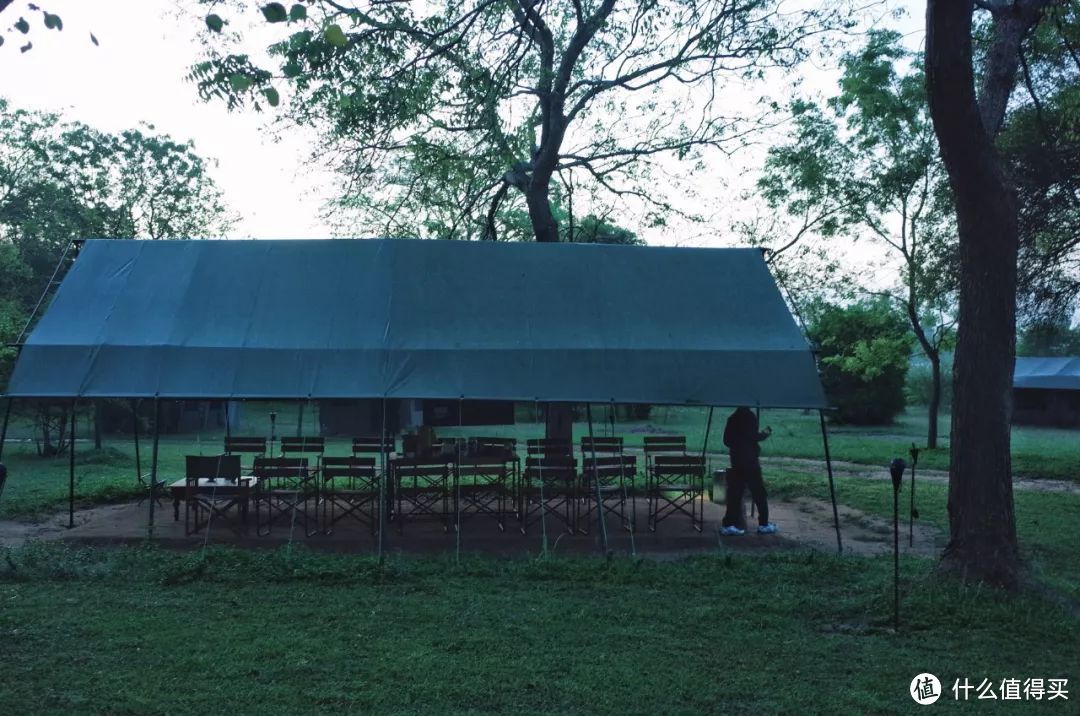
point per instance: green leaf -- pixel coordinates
(53, 22)
(239, 83)
(94, 39)
(1, 40)
(214, 22)
(297, 12)
(335, 36)
(27, 47)
(22, 26)
(275, 12)
(291, 70)
(272, 96)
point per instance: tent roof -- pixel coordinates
(1047, 373)
(419, 319)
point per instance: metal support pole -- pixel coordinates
(71, 470)
(914, 514)
(3, 432)
(135, 432)
(596, 484)
(228, 433)
(896, 472)
(382, 481)
(704, 465)
(154, 462)
(896, 559)
(3, 438)
(832, 486)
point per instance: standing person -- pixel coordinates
(741, 437)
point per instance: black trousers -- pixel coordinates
(741, 478)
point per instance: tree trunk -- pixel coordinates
(982, 523)
(545, 228)
(559, 422)
(935, 400)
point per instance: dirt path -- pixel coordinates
(869, 472)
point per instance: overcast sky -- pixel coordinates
(136, 74)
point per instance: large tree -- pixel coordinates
(459, 106)
(982, 522)
(865, 166)
(463, 105)
(1040, 145)
(61, 181)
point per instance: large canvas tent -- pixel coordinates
(419, 319)
(1046, 391)
(386, 319)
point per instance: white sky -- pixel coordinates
(137, 75)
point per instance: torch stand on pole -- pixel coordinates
(896, 470)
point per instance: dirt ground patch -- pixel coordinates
(804, 524)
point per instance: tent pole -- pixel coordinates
(3, 438)
(154, 462)
(626, 498)
(596, 485)
(704, 463)
(832, 486)
(135, 433)
(71, 470)
(457, 481)
(228, 433)
(3, 431)
(382, 481)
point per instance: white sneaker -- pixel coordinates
(768, 529)
(731, 531)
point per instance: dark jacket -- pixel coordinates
(741, 436)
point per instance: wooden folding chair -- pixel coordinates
(484, 485)
(284, 489)
(315, 446)
(423, 486)
(676, 484)
(549, 487)
(549, 447)
(349, 488)
(212, 486)
(608, 478)
(241, 445)
(384, 446)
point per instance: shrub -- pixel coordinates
(863, 354)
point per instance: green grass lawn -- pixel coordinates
(140, 629)
(135, 630)
(1047, 523)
